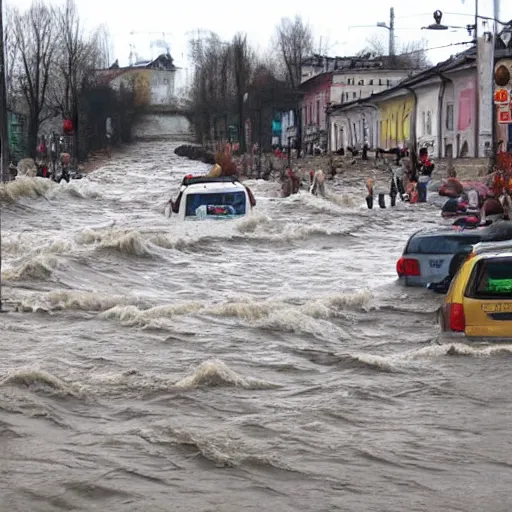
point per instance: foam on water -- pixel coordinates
(142, 352)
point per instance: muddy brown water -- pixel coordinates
(266, 364)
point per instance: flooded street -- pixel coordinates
(265, 364)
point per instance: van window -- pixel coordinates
(492, 279)
(441, 244)
(236, 200)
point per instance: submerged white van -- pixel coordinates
(203, 198)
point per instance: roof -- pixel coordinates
(163, 62)
(214, 187)
(449, 230)
(366, 61)
(460, 61)
(195, 180)
(316, 78)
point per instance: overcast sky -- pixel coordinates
(334, 23)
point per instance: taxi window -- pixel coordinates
(441, 244)
(493, 279)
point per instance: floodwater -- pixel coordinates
(266, 364)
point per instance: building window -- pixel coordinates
(361, 82)
(429, 123)
(318, 112)
(449, 116)
(388, 82)
(166, 82)
(350, 81)
(370, 82)
(305, 121)
(380, 81)
(423, 123)
(310, 113)
(354, 95)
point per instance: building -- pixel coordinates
(313, 110)
(153, 81)
(434, 108)
(340, 80)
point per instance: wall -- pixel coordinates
(395, 121)
(349, 85)
(354, 126)
(427, 118)
(162, 126)
(313, 107)
(463, 136)
(152, 86)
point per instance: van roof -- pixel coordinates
(214, 187)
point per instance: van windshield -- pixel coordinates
(442, 244)
(216, 204)
(492, 279)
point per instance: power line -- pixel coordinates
(436, 48)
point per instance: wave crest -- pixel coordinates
(215, 373)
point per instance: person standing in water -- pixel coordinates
(318, 186)
(369, 195)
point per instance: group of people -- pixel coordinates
(407, 182)
(477, 202)
(44, 170)
(292, 183)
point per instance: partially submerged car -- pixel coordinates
(429, 252)
(479, 301)
(203, 197)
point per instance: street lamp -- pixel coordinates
(438, 15)
(391, 28)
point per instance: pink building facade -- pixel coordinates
(317, 95)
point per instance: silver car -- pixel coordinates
(428, 254)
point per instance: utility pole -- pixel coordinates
(4, 142)
(392, 31)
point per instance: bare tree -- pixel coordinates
(11, 55)
(410, 55)
(34, 33)
(295, 42)
(75, 61)
(242, 68)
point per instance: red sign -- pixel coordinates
(501, 96)
(504, 117)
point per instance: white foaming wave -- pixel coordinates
(251, 222)
(403, 360)
(130, 242)
(38, 380)
(80, 189)
(310, 317)
(29, 243)
(20, 188)
(332, 204)
(132, 315)
(39, 267)
(215, 373)
(73, 300)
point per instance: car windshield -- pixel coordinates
(493, 279)
(441, 244)
(217, 204)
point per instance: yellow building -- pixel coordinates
(396, 118)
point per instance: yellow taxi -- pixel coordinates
(479, 301)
